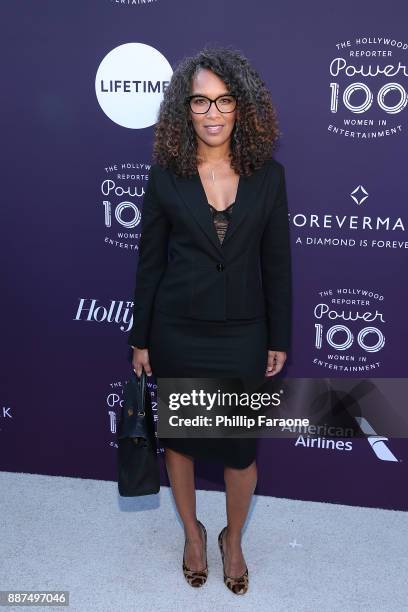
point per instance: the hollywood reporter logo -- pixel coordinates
(117, 202)
(119, 312)
(368, 78)
(339, 65)
(356, 321)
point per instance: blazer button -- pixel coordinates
(220, 267)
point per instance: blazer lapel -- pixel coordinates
(193, 195)
(243, 203)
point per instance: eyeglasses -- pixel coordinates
(202, 104)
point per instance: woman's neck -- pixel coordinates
(213, 155)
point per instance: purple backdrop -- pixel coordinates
(75, 161)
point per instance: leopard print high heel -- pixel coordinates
(238, 585)
(196, 578)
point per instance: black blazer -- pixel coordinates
(183, 269)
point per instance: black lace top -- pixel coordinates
(221, 219)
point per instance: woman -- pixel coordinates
(213, 282)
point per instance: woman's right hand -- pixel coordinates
(141, 360)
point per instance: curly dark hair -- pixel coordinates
(254, 136)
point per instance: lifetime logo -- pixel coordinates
(130, 83)
(133, 86)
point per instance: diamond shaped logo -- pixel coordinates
(359, 195)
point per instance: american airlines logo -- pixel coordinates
(376, 442)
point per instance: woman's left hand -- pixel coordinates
(276, 360)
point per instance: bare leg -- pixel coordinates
(180, 469)
(239, 488)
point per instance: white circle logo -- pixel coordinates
(130, 82)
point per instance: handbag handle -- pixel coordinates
(139, 386)
(141, 381)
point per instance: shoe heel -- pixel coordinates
(197, 578)
(238, 586)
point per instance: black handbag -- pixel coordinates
(138, 465)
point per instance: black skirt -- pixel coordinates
(185, 347)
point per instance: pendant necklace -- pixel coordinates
(212, 171)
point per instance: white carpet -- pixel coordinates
(124, 554)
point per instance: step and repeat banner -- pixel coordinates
(82, 83)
